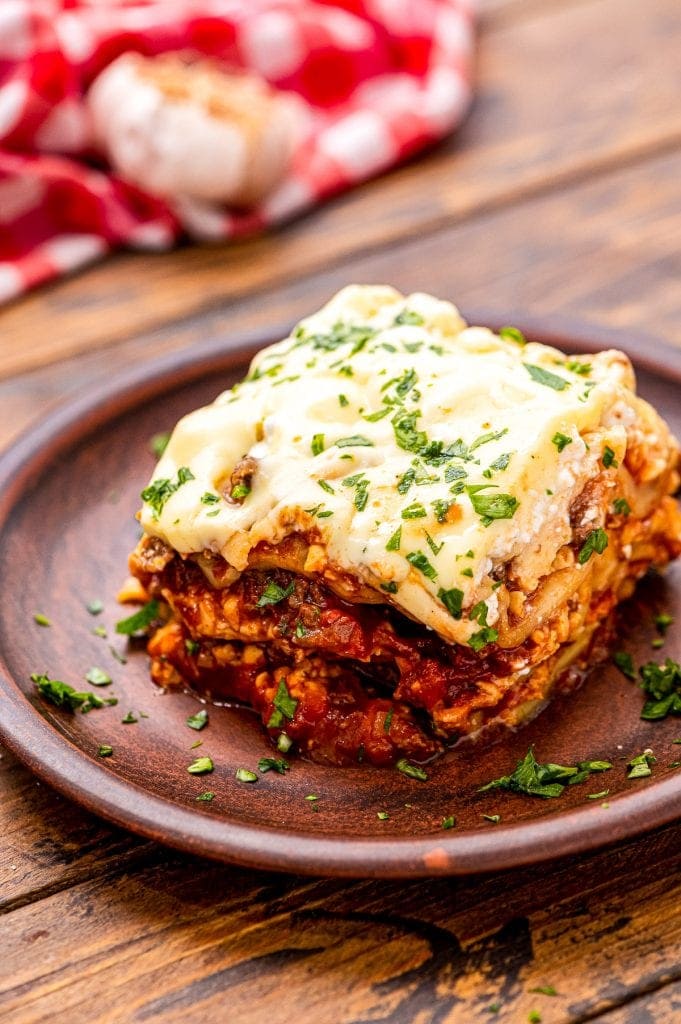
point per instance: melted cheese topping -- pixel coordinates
(373, 424)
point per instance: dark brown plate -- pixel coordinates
(68, 491)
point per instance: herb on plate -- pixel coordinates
(544, 780)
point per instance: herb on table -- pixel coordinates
(411, 770)
(41, 620)
(284, 706)
(545, 377)
(245, 775)
(640, 767)
(64, 696)
(597, 541)
(544, 780)
(275, 764)
(625, 663)
(105, 750)
(598, 796)
(662, 686)
(158, 443)
(130, 719)
(273, 594)
(449, 822)
(198, 721)
(513, 334)
(382, 815)
(561, 441)
(205, 797)
(95, 607)
(201, 766)
(118, 655)
(159, 491)
(493, 818)
(140, 621)
(98, 677)
(100, 631)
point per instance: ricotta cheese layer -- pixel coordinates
(419, 455)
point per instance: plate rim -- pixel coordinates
(67, 768)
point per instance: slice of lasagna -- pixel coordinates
(398, 529)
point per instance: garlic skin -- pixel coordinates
(191, 131)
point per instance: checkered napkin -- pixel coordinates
(383, 79)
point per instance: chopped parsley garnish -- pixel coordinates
(609, 458)
(583, 369)
(487, 635)
(435, 548)
(41, 620)
(209, 498)
(64, 696)
(544, 780)
(240, 491)
(192, 647)
(441, 507)
(273, 764)
(159, 491)
(498, 465)
(105, 750)
(495, 819)
(284, 743)
(534, 1017)
(621, 507)
(284, 706)
(343, 401)
(467, 572)
(95, 607)
(545, 377)
(198, 721)
(387, 720)
(390, 587)
(486, 438)
(449, 822)
(201, 766)
(491, 506)
(245, 775)
(478, 613)
(355, 441)
(513, 334)
(140, 621)
(544, 990)
(408, 316)
(395, 541)
(130, 718)
(326, 487)
(341, 334)
(662, 686)
(382, 815)
(205, 797)
(273, 593)
(640, 767)
(596, 541)
(598, 796)
(453, 600)
(98, 677)
(561, 440)
(420, 562)
(375, 416)
(414, 511)
(158, 443)
(455, 473)
(662, 622)
(361, 495)
(317, 444)
(625, 663)
(411, 770)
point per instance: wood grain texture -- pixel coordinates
(603, 252)
(275, 948)
(529, 133)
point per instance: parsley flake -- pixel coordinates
(412, 771)
(545, 377)
(561, 441)
(420, 562)
(159, 491)
(597, 541)
(198, 721)
(140, 621)
(273, 594)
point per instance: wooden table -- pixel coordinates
(560, 196)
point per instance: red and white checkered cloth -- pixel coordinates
(384, 78)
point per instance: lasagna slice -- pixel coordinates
(399, 530)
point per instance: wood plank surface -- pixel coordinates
(602, 252)
(539, 121)
(210, 937)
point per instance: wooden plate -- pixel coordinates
(68, 491)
